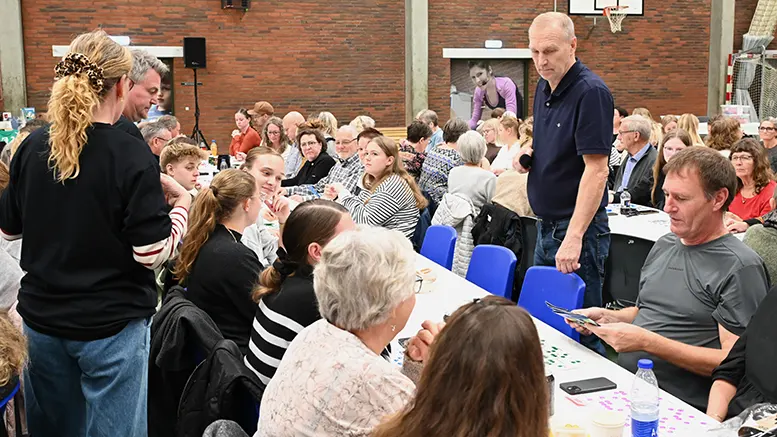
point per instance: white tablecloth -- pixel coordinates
(449, 291)
(647, 226)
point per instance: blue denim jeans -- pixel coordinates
(88, 388)
(596, 247)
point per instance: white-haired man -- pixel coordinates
(146, 79)
(567, 182)
(346, 171)
(636, 174)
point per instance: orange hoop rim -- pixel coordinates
(618, 9)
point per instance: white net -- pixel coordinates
(755, 77)
(615, 16)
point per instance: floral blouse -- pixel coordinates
(330, 384)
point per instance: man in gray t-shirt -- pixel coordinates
(686, 293)
(699, 285)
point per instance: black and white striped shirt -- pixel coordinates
(279, 318)
(391, 206)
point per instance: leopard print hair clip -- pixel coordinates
(77, 63)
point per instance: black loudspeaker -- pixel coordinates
(194, 52)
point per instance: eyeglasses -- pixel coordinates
(273, 133)
(309, 144)
(131, 83)
(344, 142)
(742, 158)
(419, 283)
(625, 132)
(766, 129)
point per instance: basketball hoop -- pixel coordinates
(615, 14)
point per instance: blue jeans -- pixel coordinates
(596, 247)
(88, 388)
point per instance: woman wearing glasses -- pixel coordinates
(672, 143)
(274, 136)
(489, 130)
(768, 133)
(317, 162)
(755, 185)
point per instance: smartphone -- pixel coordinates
(403, 342)
(588, 386)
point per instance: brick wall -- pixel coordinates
(655, 62)
(345, 56)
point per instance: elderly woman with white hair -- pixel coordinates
(470, 187)
(332, 380)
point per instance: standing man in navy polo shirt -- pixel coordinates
(569, 167)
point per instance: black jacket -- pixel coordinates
(222, 387)
(500, 226)
(641, 180)
(312, 171)
(750, 363)
(181, 336)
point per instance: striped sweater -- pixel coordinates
(391, 206)
(279, 318)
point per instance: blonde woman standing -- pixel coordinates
(88, 199)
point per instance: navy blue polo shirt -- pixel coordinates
(572, 121)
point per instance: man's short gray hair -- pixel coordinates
(555, 19)
(153, 130)
(428, 116)
(472, 147)
(363, 276)
(350, 129)
(168, 121)
(142, 61)
(638, 123)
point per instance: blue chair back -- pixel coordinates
(439, 244)
(563, 290)
(492, 268)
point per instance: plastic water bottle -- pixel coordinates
(644, 401)
(214, 149)
(626, 199)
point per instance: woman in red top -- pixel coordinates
(244, 138)
(755, 185)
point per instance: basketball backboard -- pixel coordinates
(596, 7)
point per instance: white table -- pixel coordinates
(646, 226)
(450, 291)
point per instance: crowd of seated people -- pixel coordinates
(302, 257)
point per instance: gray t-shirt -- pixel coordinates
(474, 182)
(685, 293)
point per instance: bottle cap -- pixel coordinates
(645, 364)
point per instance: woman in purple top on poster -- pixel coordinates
(494, 91)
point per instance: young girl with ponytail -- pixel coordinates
(285, 296)
(88, 200)
(216, 269)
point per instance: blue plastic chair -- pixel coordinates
(439, 244)
(492, 268)
(563, 290)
